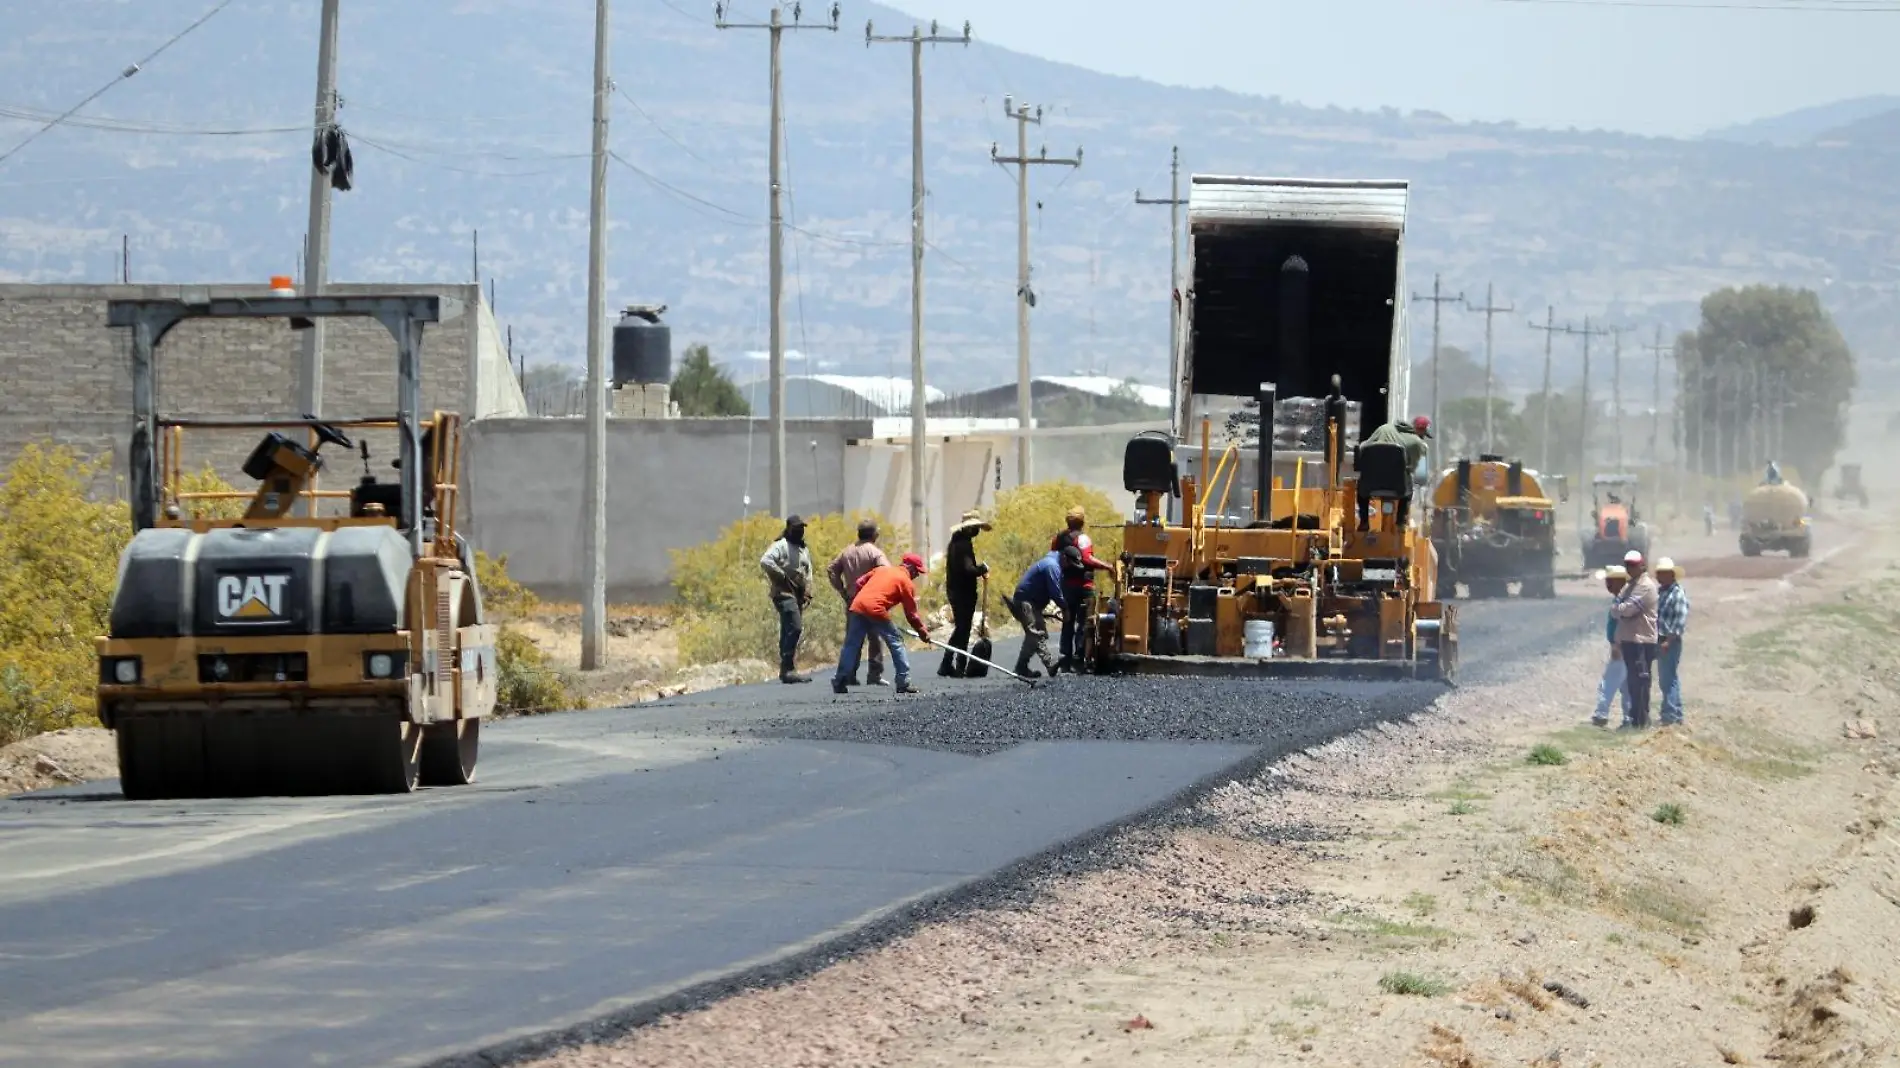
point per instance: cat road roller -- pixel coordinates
(1494, 523)
(323, 641)
(1320, 568)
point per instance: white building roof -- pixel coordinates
(890, 395)
(1103, 385)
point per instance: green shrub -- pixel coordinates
(59, 558)
(1546, 755)
(502, 597)
(528, 684)
(1413, 984)
(1669, 813)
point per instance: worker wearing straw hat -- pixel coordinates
(962, 573)
(1672, 618)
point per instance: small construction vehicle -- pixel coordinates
(1616, 526)
(1775, 519)
(1850, 487)
(1281, 269)
(325, 641)
(1494, 525)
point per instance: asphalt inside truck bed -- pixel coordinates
(611, 863)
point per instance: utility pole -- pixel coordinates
(1616, 392)
(1583, 420)
(1490, 309)
(1175, 203)
(1438, 303)
(317, 239)
(1025, 296)
(1657, 349)
(916, 38)
(775, 310)
(1551, 330)
(594, 492)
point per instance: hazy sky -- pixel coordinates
(1587, 63)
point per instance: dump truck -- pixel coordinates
(1850, 487)
(1494, 525)
(1775, 519)
(323, 641)
(1616, 526)
(1319, 565)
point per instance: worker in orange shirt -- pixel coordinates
(881, 590)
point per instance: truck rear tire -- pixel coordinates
(449, 752)
(1750, 547)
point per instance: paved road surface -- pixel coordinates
(605, 861)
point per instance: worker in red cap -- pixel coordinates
(1408, 436)
(880, 590)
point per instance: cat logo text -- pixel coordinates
(252, 598)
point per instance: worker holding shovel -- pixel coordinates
(881, 590)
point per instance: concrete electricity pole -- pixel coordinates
(1583, 419)
(1657, 349)
(594, 491)
(1616, 391)
(1175, 203)
(775, 310)
(317, 240)
(1025, 296)
(916, 38)
(1551, 330)
(1438, 303)
(1490, 309)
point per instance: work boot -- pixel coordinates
(904, 686)
(1065, 664)
(838, 686)
(876, 680)
(789, 677)
(1028, 672)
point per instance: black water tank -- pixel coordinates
(643, 347)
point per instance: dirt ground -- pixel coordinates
(1496, 883)
(60, 758)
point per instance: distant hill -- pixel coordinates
(474, 115)
(1804, 125)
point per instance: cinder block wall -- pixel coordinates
(67, 376)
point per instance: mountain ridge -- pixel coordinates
(477, 120)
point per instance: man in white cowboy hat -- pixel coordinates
(962, 573)
(1672, 618)
(1635, 612)
(1615, 674)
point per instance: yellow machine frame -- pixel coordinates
(1308, 574)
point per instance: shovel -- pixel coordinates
(949, 651)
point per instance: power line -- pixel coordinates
(655, 123)
(116, 125)
(122, 76)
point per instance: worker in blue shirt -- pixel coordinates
(1040, 585)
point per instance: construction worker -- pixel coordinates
(1615, 673)
(787, 566)
(1411, 437)
(881, 590)
(844, 571)
(1772, 477)
(1672, 619)
(1078, 582)
(962, 572)
(1635, 611)
(1041, 584)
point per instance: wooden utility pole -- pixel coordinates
(1025, 296)
(1551, 330)
(594, 477)
(1175, 203)
(1439, 300)
(775, 310)
(917, 39)
(1490, 309)
(1583, 419)
(317, 250)
(1658, 350)
(1616, 392)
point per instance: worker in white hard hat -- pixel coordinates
(1672, 619)
(1615, 675)
(1635, 611)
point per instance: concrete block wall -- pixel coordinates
(68, 376)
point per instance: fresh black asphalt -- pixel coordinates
(608, 862)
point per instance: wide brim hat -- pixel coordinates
(972, 521)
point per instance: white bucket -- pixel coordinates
(1257, 635)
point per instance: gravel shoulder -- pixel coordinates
(1423, 893)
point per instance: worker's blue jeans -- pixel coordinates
(1075, 601)
(1669, 675)
(791, 626)
(857, 629)
(1614, 684)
